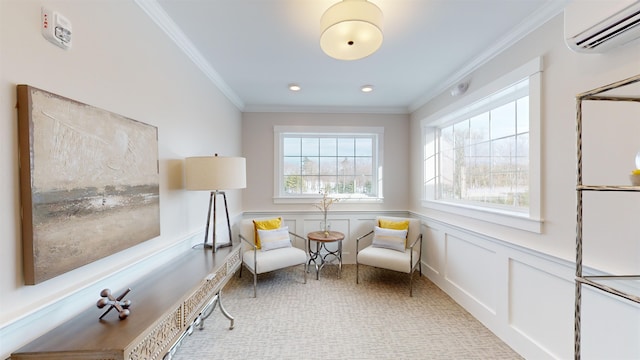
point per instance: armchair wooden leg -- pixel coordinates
(357, 275)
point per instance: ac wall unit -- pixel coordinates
(594, 26)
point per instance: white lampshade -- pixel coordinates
(351, 30)
(215, 173)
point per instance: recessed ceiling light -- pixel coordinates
(294, 87)
(366, 88)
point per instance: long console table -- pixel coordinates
(165, 305)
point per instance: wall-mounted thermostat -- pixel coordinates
(56, 28)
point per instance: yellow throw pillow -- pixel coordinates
(267, 224)
(392, 224)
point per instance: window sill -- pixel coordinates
(313, 200)
(521, 221)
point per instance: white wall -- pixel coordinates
(520, 284)
(121, 62)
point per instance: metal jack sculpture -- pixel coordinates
(121, 306)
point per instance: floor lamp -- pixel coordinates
(215, 174)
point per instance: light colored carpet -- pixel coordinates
(335, 318)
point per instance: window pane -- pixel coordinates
(327, 183)
(346, 166)
(310, 147)
(522, 113)
(364, 166)
(503, 121)
(479, 174)
(503, 147)
(447, 174)
(292, 184)
(328, 165)
(364, 147)
(501, 164)
(346, 147)
(446, 138)
(461, 133)
(310, 184)
(522, 186)
(479, 128)
(291, 165)
(328, 146)
(364, 185)
(310, 166)
(291, 146)
(522, 145)
(481, 149)
(346, 184)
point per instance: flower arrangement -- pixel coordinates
(324, 206)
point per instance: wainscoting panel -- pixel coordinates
(610, 326)
(433, 246)
(471, 268)
(537, 297)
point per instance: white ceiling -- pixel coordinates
(252, 49)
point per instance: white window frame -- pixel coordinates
(525, 220)
(279, 197)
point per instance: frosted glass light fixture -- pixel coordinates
(351, 30)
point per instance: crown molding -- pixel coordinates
(326, 109)
(160, 17)
(537, 19)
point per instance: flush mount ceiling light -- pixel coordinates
(351, 30)
(294, 87)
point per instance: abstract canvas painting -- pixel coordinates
(89, 183)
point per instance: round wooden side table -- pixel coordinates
(322, 239)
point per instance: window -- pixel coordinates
(484, 158)
(481, 155)
(345, 162)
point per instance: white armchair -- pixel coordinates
(387, 249)
(275, 251)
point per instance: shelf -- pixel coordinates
(623, 286)
(607, 188)
(626, 286)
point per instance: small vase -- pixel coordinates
(325, 227)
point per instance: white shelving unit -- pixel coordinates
(625, 286)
